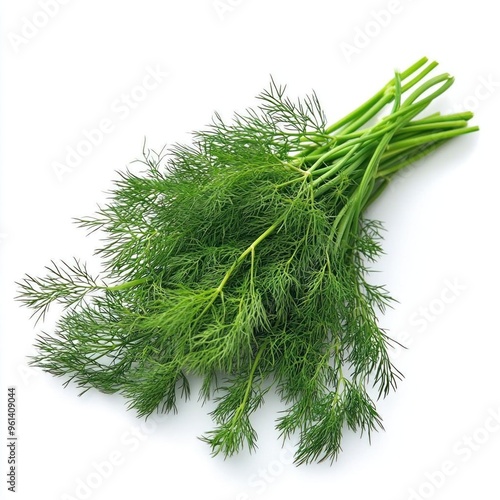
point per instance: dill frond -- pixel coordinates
(244, 259)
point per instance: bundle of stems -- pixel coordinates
(243, 259)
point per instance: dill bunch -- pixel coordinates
(243, 259)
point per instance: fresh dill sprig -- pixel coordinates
(243, 258)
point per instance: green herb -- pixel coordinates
(243, 259)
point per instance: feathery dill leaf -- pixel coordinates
(243, 258)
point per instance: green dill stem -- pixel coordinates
(325, 152)
(124, 286)
(380, 94)
(401, 150)
(237, 263)
(406, 158)
(249, 250)
(401, 133)
(418, 77)
(357, 162)
(341, 382)
(396, 120)
(379, 106)
(358, 201)
(364, 189)
(447, 83)
(374, 133)
(352, 158)
(250, 381)
(466, 115)
(378, 190)
(416, 141)
(373, 105)
(304, 173)
(386, 172)
(366, 186)
(407, 111)
(438, 121)
(433, 125)
(339, 151)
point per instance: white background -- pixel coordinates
(63, 75)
